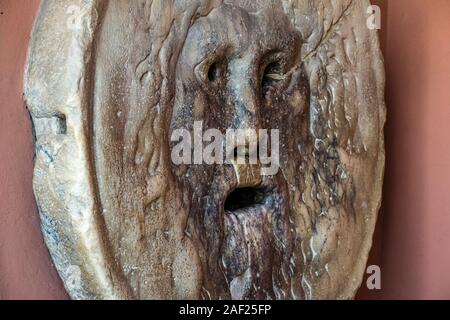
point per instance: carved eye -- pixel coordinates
(272, 75)
(215, 72)
(211, 74)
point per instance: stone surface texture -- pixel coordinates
(107, 82)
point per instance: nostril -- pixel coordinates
(240, 152)
(248, 154)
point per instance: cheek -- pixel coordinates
(297, 102)
(287, 113)
(198, 111)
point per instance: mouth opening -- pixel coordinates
(242, 198)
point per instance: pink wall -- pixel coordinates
(413, 236)
(25, 266)
(416, 216)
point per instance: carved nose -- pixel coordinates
(244, 95)
(247, 101)
(245, 105)
(246, 117)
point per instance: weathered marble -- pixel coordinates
(108, 82)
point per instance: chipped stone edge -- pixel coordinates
(57, 88)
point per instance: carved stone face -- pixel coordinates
(137, 224)
(239, 70)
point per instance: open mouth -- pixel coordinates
(242, 198)
(254, 228)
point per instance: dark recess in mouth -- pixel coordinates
(243, 198)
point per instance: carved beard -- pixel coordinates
(243, 235)
(258, 244)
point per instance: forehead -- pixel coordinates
(252, 5)
(242, 27)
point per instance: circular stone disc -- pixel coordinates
(108, 84)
